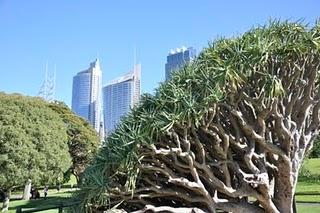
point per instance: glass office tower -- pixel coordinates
(177, 58)
(119, 96)
(86, 94)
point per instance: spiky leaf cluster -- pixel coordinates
(218, 125)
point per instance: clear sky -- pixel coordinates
(70, 34)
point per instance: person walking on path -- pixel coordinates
(32, 192)
(58, 187)
(45, 191)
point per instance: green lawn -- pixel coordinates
(73, 180)
(307, 208)
(53, 199)
(307, 186)
(313, 164)
(308, 198)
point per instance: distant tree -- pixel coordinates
(83, 141)
(315, 152)
(32, 143)
(229, 132)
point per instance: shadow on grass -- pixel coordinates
(52, 201)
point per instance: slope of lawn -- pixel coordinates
(54, 199)
(314, 165)
(310, 184)
(308, 208)
(305, 186)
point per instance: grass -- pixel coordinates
(307, 208)
(54, 199)
(313, 164)
(304, 186)
(310, 171)
(309, 186)
(308, 198)
(73, 180)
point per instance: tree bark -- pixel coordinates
(27, 189)
(284, 190)
(294, 206)
(6, 200)
(169, 209)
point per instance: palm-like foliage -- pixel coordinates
(234, 124)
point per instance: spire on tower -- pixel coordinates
(134, 56)
(47, 90)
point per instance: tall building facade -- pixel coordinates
(119, 96)
(86, 94)
(177, 58)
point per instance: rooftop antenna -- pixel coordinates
(47, 90)
(47, 82)
(134, 58)
(54, 82)
(43, 90)
(46, 77)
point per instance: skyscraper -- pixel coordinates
(86, 94)
(177, 58)
(119, 96)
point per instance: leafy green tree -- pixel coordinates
(32, 143)
(315, 152)
(228, 132)
(83, 141)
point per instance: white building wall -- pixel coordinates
(119, 96)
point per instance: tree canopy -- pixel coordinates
(32, 142)
(234, 124)
(315, 152)
(83, 141)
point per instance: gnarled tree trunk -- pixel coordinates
(27, 189)
(229, 132)
(5, 206)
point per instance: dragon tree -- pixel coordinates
(228, 132)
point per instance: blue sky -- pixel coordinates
(70, 34)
